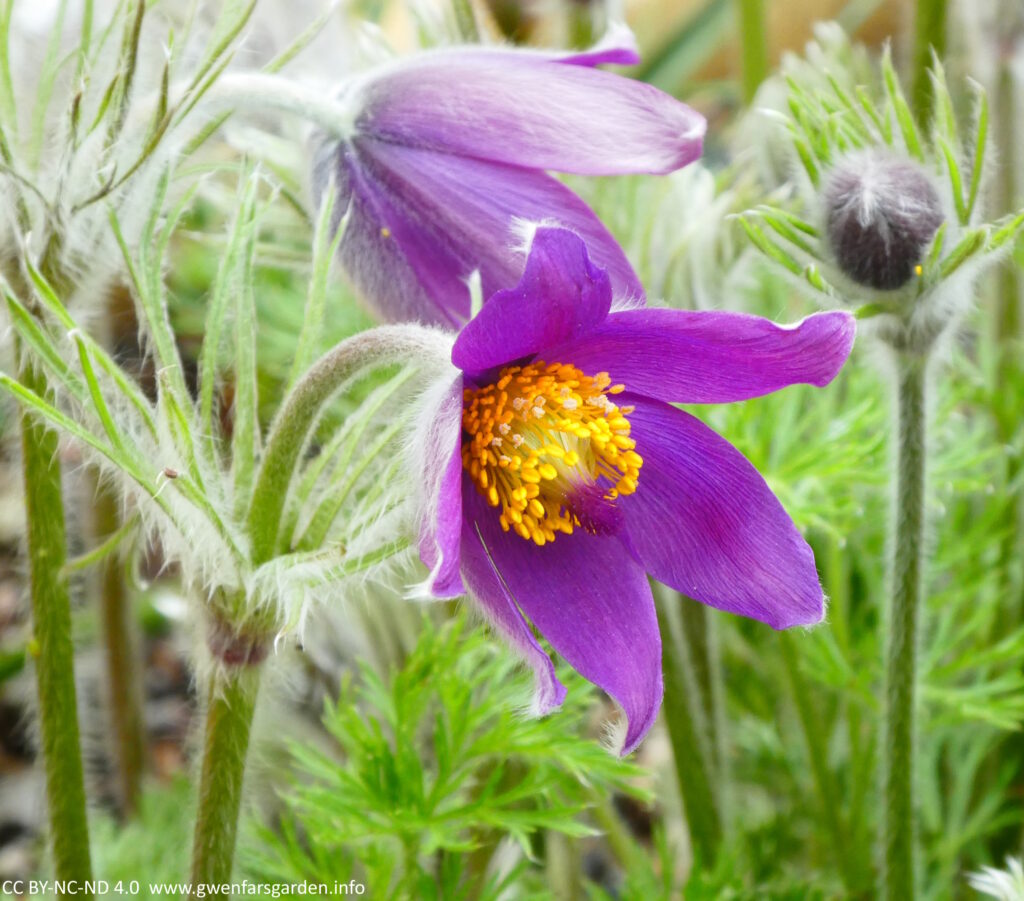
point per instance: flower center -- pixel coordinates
(546, 444)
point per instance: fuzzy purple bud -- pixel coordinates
(881, 214)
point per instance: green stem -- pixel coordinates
(562, 866)
(859, 776)
(901, 658)
(583, 31)
(266, 91)
(465, 20)
(299, 412)
(1008, 328)
(411, 875)
(616, 833)
(697, 629)
(52, 647)
(817, 752)
(231, 702)
(123, 682)
(693, 620)
(929, 35)
(688, 733)
(753, 46)
(1008, 337)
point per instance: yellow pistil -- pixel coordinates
(537, 435)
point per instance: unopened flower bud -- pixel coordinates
(881, 214)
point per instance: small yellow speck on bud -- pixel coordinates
(385, 232)
(918, 270)
(34, 648)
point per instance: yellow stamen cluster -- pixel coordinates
(539, 432)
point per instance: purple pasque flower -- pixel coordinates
(445, 159)
(558, 475)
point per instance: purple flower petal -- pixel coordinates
(440, 530)
(528, 110)
(618, 46)
(488, 588)
(421, 222)
(401, 268)
(703, 521)
(591, 601)
(561, 296)
(711, 357)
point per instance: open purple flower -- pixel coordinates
(558, 474)
(445, 159)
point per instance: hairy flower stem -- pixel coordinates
(694, 631)
(1009, 325)
(753, 46)
(465, 20)
(688, 733)
(901, 658)
(856, 855)
(231, 702)
(261, 91)
(562, 866)
(817, 753)
(929, 35)
(625, 848)
(385, 345)
(586, 23)
(698, 631)
(52, 648)
(123, 684)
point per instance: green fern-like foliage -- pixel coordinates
(437, 783)
(153, 848)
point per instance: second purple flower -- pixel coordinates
(446, 158)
